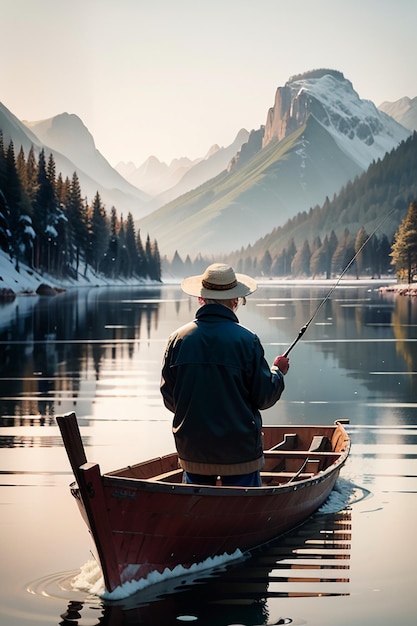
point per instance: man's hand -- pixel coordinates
(282, 363)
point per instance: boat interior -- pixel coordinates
(291, 454)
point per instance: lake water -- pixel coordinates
(98, 352)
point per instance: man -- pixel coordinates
(215, 380)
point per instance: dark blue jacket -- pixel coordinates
(215, 379)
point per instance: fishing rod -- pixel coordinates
(304, 328)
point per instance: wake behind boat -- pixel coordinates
(143, 518)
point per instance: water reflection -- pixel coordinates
(98, 352)
(64, 353)
(49, 345)
(311, 561)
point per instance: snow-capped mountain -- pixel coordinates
(356, 125)
(318, 135)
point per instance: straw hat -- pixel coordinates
(219, 282)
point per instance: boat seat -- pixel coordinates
(168, 476)
(319, 443)
(288, 443)
(299, 454)
(284, 476)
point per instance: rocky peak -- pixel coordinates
(296, 100)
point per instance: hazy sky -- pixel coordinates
(173, 77)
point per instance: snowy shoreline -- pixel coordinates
(29, 282)
(400, 289)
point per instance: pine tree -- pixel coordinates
(149, 256)
(17, 203)
(77, 215)
(404, 248)
(266, 263)
(300, 265)
(131, 248)
(381, 255)
(320, 260)
(279, 265)
(291, 252)
(363, 259)
(110, 261)
(98, 233)
(177, 265)
(343, 254)
(123, 259)
(141, 269)
(155, 273)
(44, 215)
(31, 178)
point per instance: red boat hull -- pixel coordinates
(150, 530)
(144, 519)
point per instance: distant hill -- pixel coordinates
(166, 183)
(403, 111)
(74, 151)
(154, 176)
(66, 134)
(318, 135)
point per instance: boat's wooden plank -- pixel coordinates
(320, 443)
(150, 468)
(301, 454)
(285, 476)
(91, 489)
(177, 473)
(288, 443)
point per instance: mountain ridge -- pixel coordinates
(125, 199)
(66, 134)
(403, 110)
(343, 135)
(286, 179)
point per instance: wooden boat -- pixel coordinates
(142, 518)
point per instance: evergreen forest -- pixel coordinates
(361, 219)
(47, 224)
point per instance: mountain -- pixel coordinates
(66, 134)
(154, 176)
(403, 111)
(215, 162)
(377, 199)
(166, 183)
(74, 151)
(318, 135)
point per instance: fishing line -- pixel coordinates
(304, 328)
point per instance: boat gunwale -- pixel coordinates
(149, 484)
(153, 484)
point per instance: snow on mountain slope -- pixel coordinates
(362, 131)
